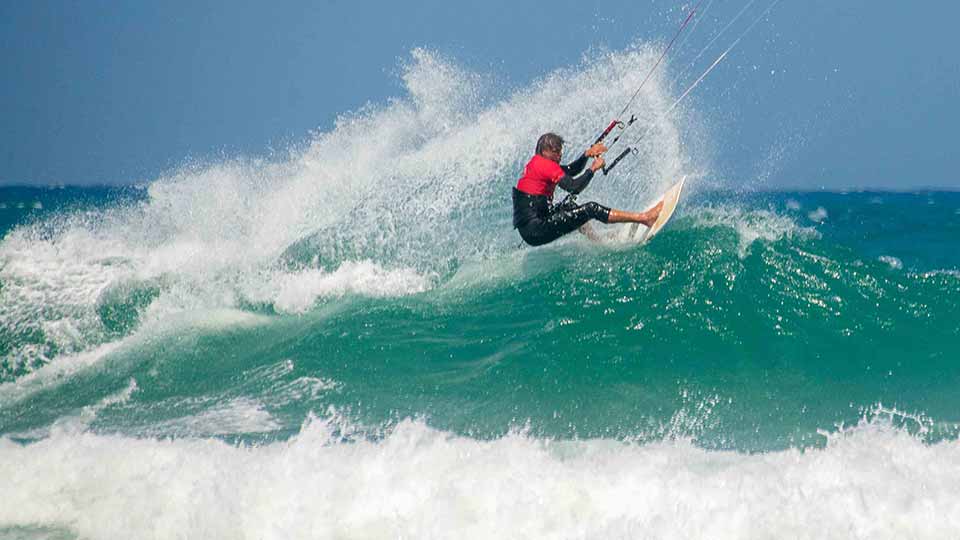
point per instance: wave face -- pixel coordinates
(333, 341)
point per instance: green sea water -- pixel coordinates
(747, 326)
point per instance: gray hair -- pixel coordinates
(549, 141)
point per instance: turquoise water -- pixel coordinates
(313, 347)
(743, 328)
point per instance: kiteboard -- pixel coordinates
(670, 200)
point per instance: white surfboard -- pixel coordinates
(670, 200)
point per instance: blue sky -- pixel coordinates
(840, 93)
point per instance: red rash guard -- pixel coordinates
(540, 177)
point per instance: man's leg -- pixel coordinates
(562, 221)
(567, 220)
(647, 218)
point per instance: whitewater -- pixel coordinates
(344, 340)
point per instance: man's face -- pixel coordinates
(553, 155)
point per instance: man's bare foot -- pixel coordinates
(650, 216)
(647, 218)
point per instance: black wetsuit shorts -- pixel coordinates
(540, 223)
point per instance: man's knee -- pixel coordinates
(597, 211)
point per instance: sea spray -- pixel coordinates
(414, 186)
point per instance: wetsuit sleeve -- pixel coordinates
(576, 167)
(575, 184)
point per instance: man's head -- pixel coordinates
(550, 146)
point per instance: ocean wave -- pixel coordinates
(66, 368)
(869, 481)
(750, 224)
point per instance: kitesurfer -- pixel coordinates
(534, 215)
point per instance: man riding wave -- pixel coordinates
(534, 215)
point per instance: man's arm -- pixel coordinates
(575, 184)
(576, 167)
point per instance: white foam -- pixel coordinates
(894, 262)
(872, 481)
(818, 215)
(239, 415)
(51, 288)
(941, 272)
(296, 292)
